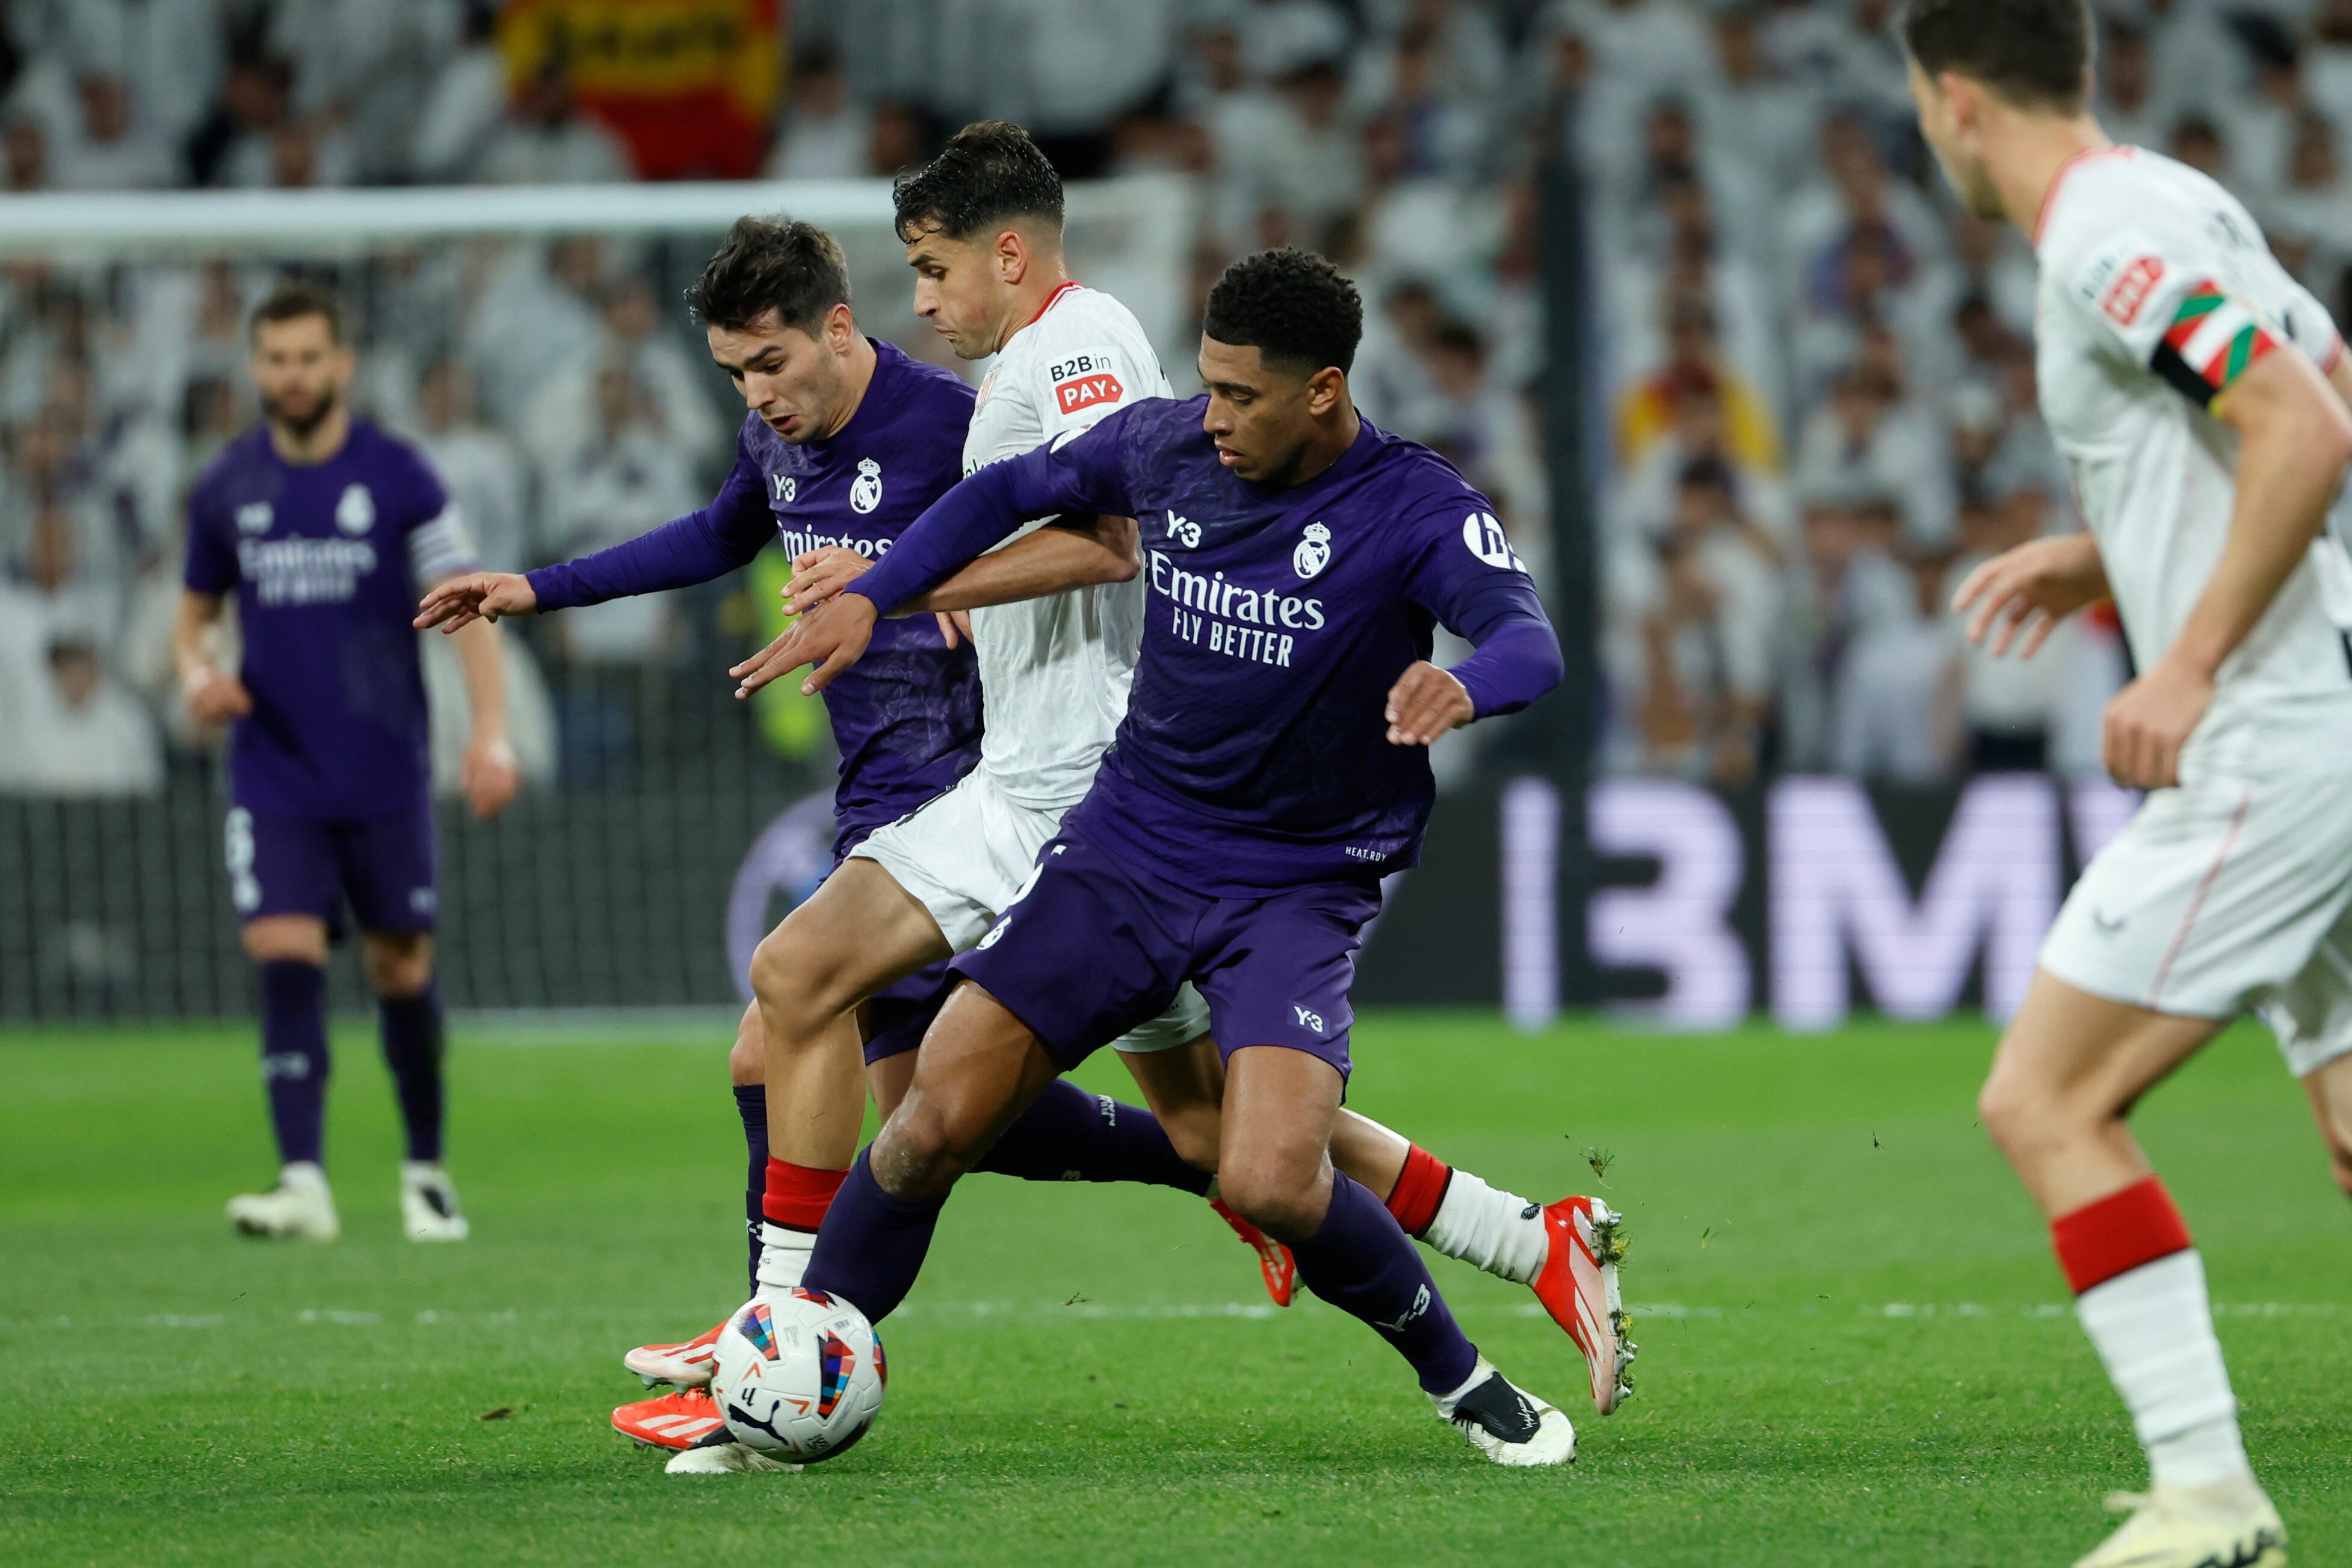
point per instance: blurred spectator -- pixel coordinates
(625, 479)
(2127, 104)
(560, 416)
(24, 155)
(534, 315)
(1898, 687)
(80, 734)
(1706, 616)
(462, 108)
(111, 152)
(545, 140)
(1866, 439)
(2011, 704)
(1695, 371)
(1844, 583)
(825, 133)
(482, 470)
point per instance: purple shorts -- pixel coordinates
(897, 1016)
(1099, 945)
(293, 866)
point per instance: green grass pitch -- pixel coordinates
(1854, 1344)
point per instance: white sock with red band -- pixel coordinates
(2141, 1296)
(1490, 1228)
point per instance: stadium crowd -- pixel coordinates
(1813, 380)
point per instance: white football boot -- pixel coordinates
(298, 1206)
(1505, 1422)
(688, 1364)
(721, 1455)
(428, 1204)
(2232, 1525)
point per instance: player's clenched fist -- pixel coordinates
(2150, 721)
(216, 697)
(476, 597)
(1424, 703)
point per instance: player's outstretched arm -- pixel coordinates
(213, 696)
(456, 602)
(1064, 556)
(2294, 439)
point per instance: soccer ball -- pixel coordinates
(799, 1376)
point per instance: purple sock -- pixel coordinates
(412, 1049)
(871, 1245)
(1069, 1135)
(1361, 1261)
(294, 1054)
(752, 1105)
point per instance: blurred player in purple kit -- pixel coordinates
(1268, 771)
(324, 527)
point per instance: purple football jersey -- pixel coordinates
(907, 718)
(1255, 752)
(326, 560)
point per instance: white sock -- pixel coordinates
(302, 1176)
(2153, 1327)
(784, 1256)
(1490, 1228)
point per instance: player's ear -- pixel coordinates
(1011, 256)
(1326, 389)
(840, 329)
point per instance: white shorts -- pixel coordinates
(969, 855)
(2220, 897)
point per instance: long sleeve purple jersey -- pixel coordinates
(906, 721)
(1255, 752)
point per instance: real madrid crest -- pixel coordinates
(355, 512)
(1314, 551)
(866, 490)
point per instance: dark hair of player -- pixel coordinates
(1290, 305)
(292, 301)
(794, 268)
(988, 171)
(2034, 53)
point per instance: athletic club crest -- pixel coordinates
(1314, 551)
(866, 490)
(355, 513)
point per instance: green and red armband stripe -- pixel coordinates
(2211, 341)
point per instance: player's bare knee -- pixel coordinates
(912, 1157)
(796, 977)
(1281, 1198)
(747, 1059)
(397, 966)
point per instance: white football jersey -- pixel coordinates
(2157, 291)
(1054, 672)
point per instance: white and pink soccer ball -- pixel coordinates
(799, 1376)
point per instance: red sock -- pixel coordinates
(797, 1196)
(1420, 1188)
(2117, 1234)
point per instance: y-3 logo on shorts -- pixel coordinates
(1308, 1019)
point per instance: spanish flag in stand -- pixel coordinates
(688, 85)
